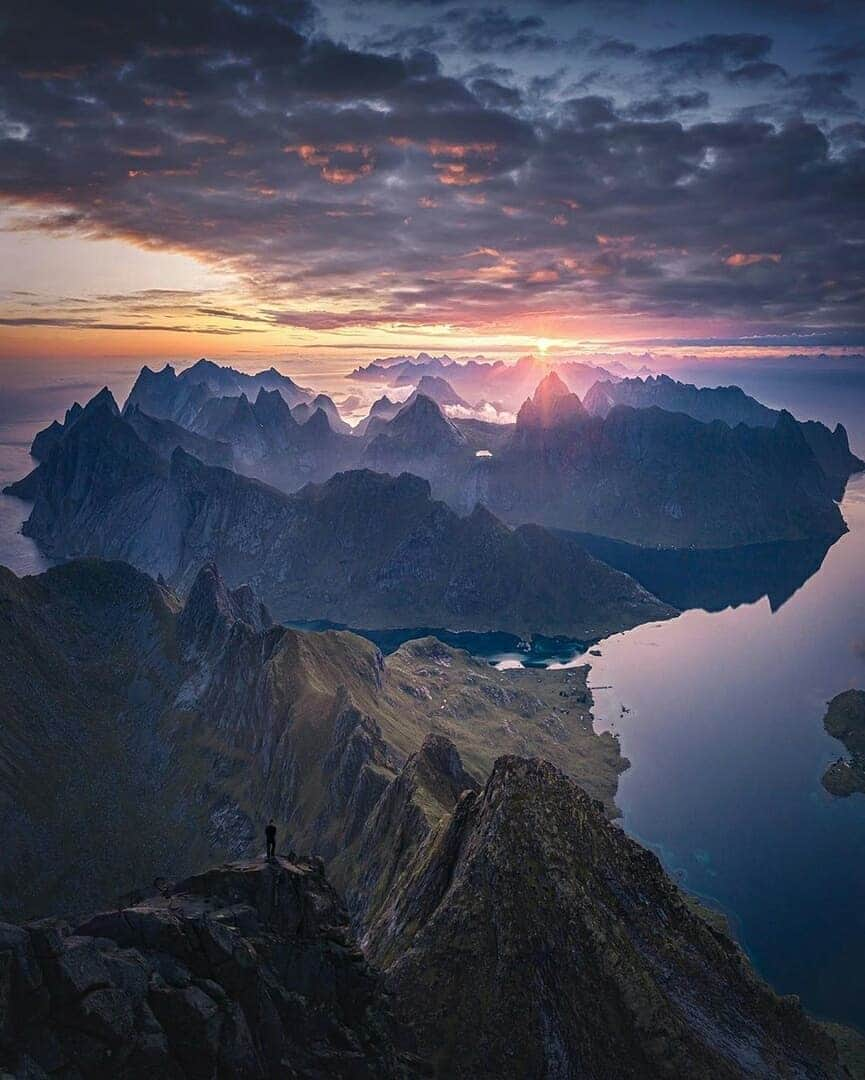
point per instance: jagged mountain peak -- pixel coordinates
(551, 405)
(422, 421)
(212, 609)
(103, 399)
(318, 424)
(440, 390)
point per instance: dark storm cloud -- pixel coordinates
(713, 53)
(824, 90)
(659, 108)
(478, 30)
(843, 54)
(347, 186)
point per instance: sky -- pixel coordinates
(270, 178)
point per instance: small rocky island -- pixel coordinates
(845, 720)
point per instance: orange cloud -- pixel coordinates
(458, 174)
(322, 156)
(540, 277)
(439, 148)
(750, 258)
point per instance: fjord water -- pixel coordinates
(723, 729)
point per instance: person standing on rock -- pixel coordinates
(270, 833)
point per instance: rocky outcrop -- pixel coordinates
(571, 953)
(551, 406)
(419, 436)
(246, 971)
(438, 390)
(361, 550)
(845, 721)
(49, 437)
(164, 437)
(382, 409)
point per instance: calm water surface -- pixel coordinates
(723, 728)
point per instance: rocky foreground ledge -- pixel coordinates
(523, 938)
(248, 970)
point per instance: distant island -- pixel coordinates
(845, 721)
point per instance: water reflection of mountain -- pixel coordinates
(715, 579)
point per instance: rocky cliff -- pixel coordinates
(362, 549)
(247, 971)
(531, 939)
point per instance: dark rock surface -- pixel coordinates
(246, 971)
(529, 938)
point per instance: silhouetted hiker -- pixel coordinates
(270, 833)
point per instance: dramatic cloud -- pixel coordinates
(354, 186)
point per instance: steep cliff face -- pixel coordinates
(362, 549)
(142, 736)
(246, 971)
(571, 953)
(419, 438)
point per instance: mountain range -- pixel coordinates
(144, 734)
(362, 549)
(504, 385)
(644, 474)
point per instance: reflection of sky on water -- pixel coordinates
(722, 723)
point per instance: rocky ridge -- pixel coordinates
(145, 736)
(573, 953)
